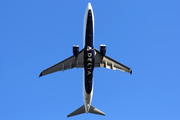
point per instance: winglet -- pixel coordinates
(131, 72)
(40, 74)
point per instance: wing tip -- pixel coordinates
(40, 74)
(131, 72)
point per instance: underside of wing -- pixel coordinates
(68, 63)
(107, 62)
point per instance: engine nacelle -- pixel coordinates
(76, 50)
(102, 49)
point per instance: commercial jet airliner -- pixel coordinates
(88, 58)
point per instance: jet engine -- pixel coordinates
(76, 50)
(102, 49)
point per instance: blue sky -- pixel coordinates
(144, 35)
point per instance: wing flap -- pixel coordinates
(109, 63)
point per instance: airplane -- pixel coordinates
(88, 58)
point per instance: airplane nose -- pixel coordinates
(89, 6)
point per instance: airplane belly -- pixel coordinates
(88, 53)
(88, 58)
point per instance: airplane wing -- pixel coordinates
(108, 62)
(68, 63)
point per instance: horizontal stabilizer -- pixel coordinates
(95, 111)
(78, 111)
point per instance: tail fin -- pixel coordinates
(82, 110)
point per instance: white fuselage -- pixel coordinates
(87, 97)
